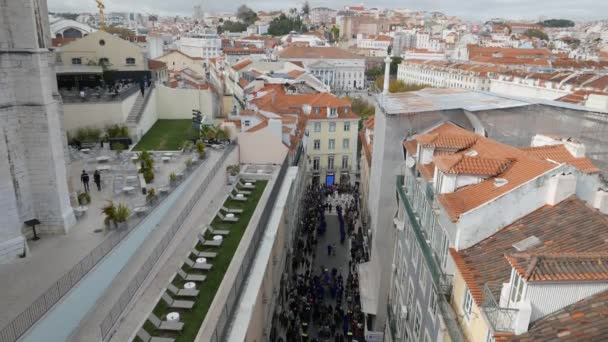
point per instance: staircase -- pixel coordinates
(138, 107)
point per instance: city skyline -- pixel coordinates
(471, 10)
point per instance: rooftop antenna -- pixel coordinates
(102, 18)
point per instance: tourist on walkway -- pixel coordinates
(97, 179)
(84, 178)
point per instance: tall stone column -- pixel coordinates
(33, 174)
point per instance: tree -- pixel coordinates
(397, 86)
(232, 26)
(335, 32)
(122, 32)
(395, 65)
(306, 8)
(362, 107)
(282, 25)
(374, 72)
(557, 23)
(246, 15)
(532, 33)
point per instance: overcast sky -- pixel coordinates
(468, 9)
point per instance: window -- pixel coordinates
(247, 123)
(104, 61)
(346, 125)
(317, 127)
(315, 164)
(433, 304)
(332, 126)
(332, 144)
(345, 143)
(423, 279)
(330, 162)
(467, 303)
(130, 60)
(76, 61)
(346, 110)
(345, 162)
(417, 320)
(415, 256)
(517, 287)
(333, 112)
(317, 110)
(102, 42)
(410, 298)
(317, 144)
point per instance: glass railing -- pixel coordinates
(442, 283)
(502, 319)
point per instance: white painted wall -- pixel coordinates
(548, 298)
(525, 90)
(99, 114)
(262, 147)
(174, 103)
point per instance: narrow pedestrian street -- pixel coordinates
(321, 298)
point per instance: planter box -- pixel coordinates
(125, 141)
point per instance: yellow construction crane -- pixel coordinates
(102, 18)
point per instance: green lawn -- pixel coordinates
(194, 318)
(165, 135)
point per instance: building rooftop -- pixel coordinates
(433, 99)
(569, 233)
(328, 52)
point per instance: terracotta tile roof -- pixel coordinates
(427, 171)
(578, 266)
(585, 320)
(154, 64)
(240, 65)
(329, 52)
(560, 154)
(411, 147)
(461, 164)
(247, 112)
(568, 227)
(286, 129)
(295, 73)
(448, 141)
(476, 50)
(243, 82)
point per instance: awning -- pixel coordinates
(77, 69)
(369, 287)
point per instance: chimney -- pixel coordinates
(387, 73)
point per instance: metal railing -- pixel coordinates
(501, 318)
(93, 96)
(441, 282)
(392, 324)
(221, 328)
(26, 319)
(125, 298)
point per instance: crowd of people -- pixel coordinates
(322, 303)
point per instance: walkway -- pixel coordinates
(150, 291)
(65, 317)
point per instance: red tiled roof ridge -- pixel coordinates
(463, 164)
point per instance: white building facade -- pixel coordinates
(202, 46)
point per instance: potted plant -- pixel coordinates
(109, 210)
(146, 163)
(118, 134)
(84, 198)
(172, 178)
(187, 147)
(121, 216)
(188, 163)
(200, 149)
(233, 172)
(118, 147)
(151, 196)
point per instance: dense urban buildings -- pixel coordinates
(318, 173)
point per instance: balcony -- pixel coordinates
(442, 283)
(392, 325)
(502, 319)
